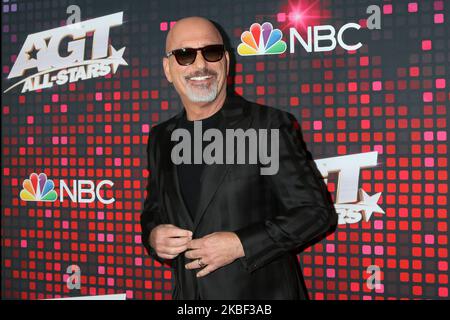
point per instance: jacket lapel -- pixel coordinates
(233, 116)
(171, 180)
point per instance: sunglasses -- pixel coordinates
(186, 56)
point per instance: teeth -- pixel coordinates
(200, 78)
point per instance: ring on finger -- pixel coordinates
(200, 263)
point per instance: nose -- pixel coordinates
(200, 62)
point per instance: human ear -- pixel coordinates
(227, 57)
(166, 68)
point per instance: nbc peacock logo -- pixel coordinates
(260, 40)
(38, 188)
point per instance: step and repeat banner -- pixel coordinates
(82, 84)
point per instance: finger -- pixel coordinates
(177, 242)
(195, 244)
(167, 256)
(173, 231)
(192, 265)
(193, 254)
(173, 250)
(206, 270)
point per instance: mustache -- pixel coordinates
(201, 73)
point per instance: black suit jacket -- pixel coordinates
(275, 216)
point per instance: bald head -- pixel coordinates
(190, 30)
(202, 81)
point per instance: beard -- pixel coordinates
(202, 92)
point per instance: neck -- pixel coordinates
(202, 110)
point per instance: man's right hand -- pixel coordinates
(169, 241)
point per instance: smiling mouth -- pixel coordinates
(200, 80)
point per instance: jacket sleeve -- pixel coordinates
(307, 211)
(151, 214)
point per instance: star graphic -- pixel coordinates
(32, 54)
(117, 56)
(369, 203)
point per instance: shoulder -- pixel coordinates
(158, 129)
(156, 132)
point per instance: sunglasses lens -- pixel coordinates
(185, 56)
(213, 53)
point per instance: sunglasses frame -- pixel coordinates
(174, 52)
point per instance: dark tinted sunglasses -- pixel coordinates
(186, 56)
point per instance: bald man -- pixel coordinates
(230, 231)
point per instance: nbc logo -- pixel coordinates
(38, 188)
(261, 39)
(265, 40)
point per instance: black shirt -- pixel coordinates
(189, 174)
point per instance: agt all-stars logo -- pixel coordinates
(42, 51)
(351, 202)
(38, 188)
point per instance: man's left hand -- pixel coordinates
(213, 251)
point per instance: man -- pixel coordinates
(230, 232)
